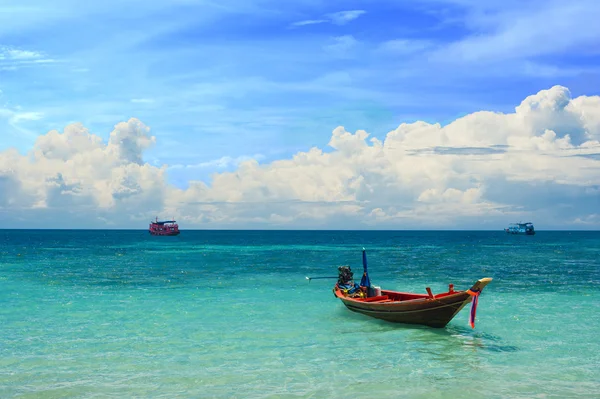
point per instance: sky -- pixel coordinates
(380, 114)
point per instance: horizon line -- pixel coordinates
(296, 229)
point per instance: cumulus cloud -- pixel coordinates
(486, 169)
(76, 172)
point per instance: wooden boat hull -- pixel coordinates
(424, 309)
(164, 233)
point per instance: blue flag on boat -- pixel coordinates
(365, 281)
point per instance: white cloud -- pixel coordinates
(26, 116)
(22, 54)
(220, 163)
(309, 22)
(404, 46)
(74, 170)
(342, 46)
(337, 18)
(591, 219)
(486, 169)
(343, 17)
(15, 119)
(12, 58)
(541, 29)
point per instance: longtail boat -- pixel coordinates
(434, 310)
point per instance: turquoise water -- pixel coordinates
(224, 314)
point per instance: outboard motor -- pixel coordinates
(346, 282)
(345, 277)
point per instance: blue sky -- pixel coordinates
(219, 82)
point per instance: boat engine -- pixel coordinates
(346, 282)
(345, 276)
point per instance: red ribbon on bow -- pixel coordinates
(475, 295)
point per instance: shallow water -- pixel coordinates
(229, 314)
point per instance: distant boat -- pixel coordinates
(521, 228)
(402, 307)
(164, 228)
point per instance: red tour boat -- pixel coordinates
(164, 228)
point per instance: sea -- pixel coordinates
(230, 314)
